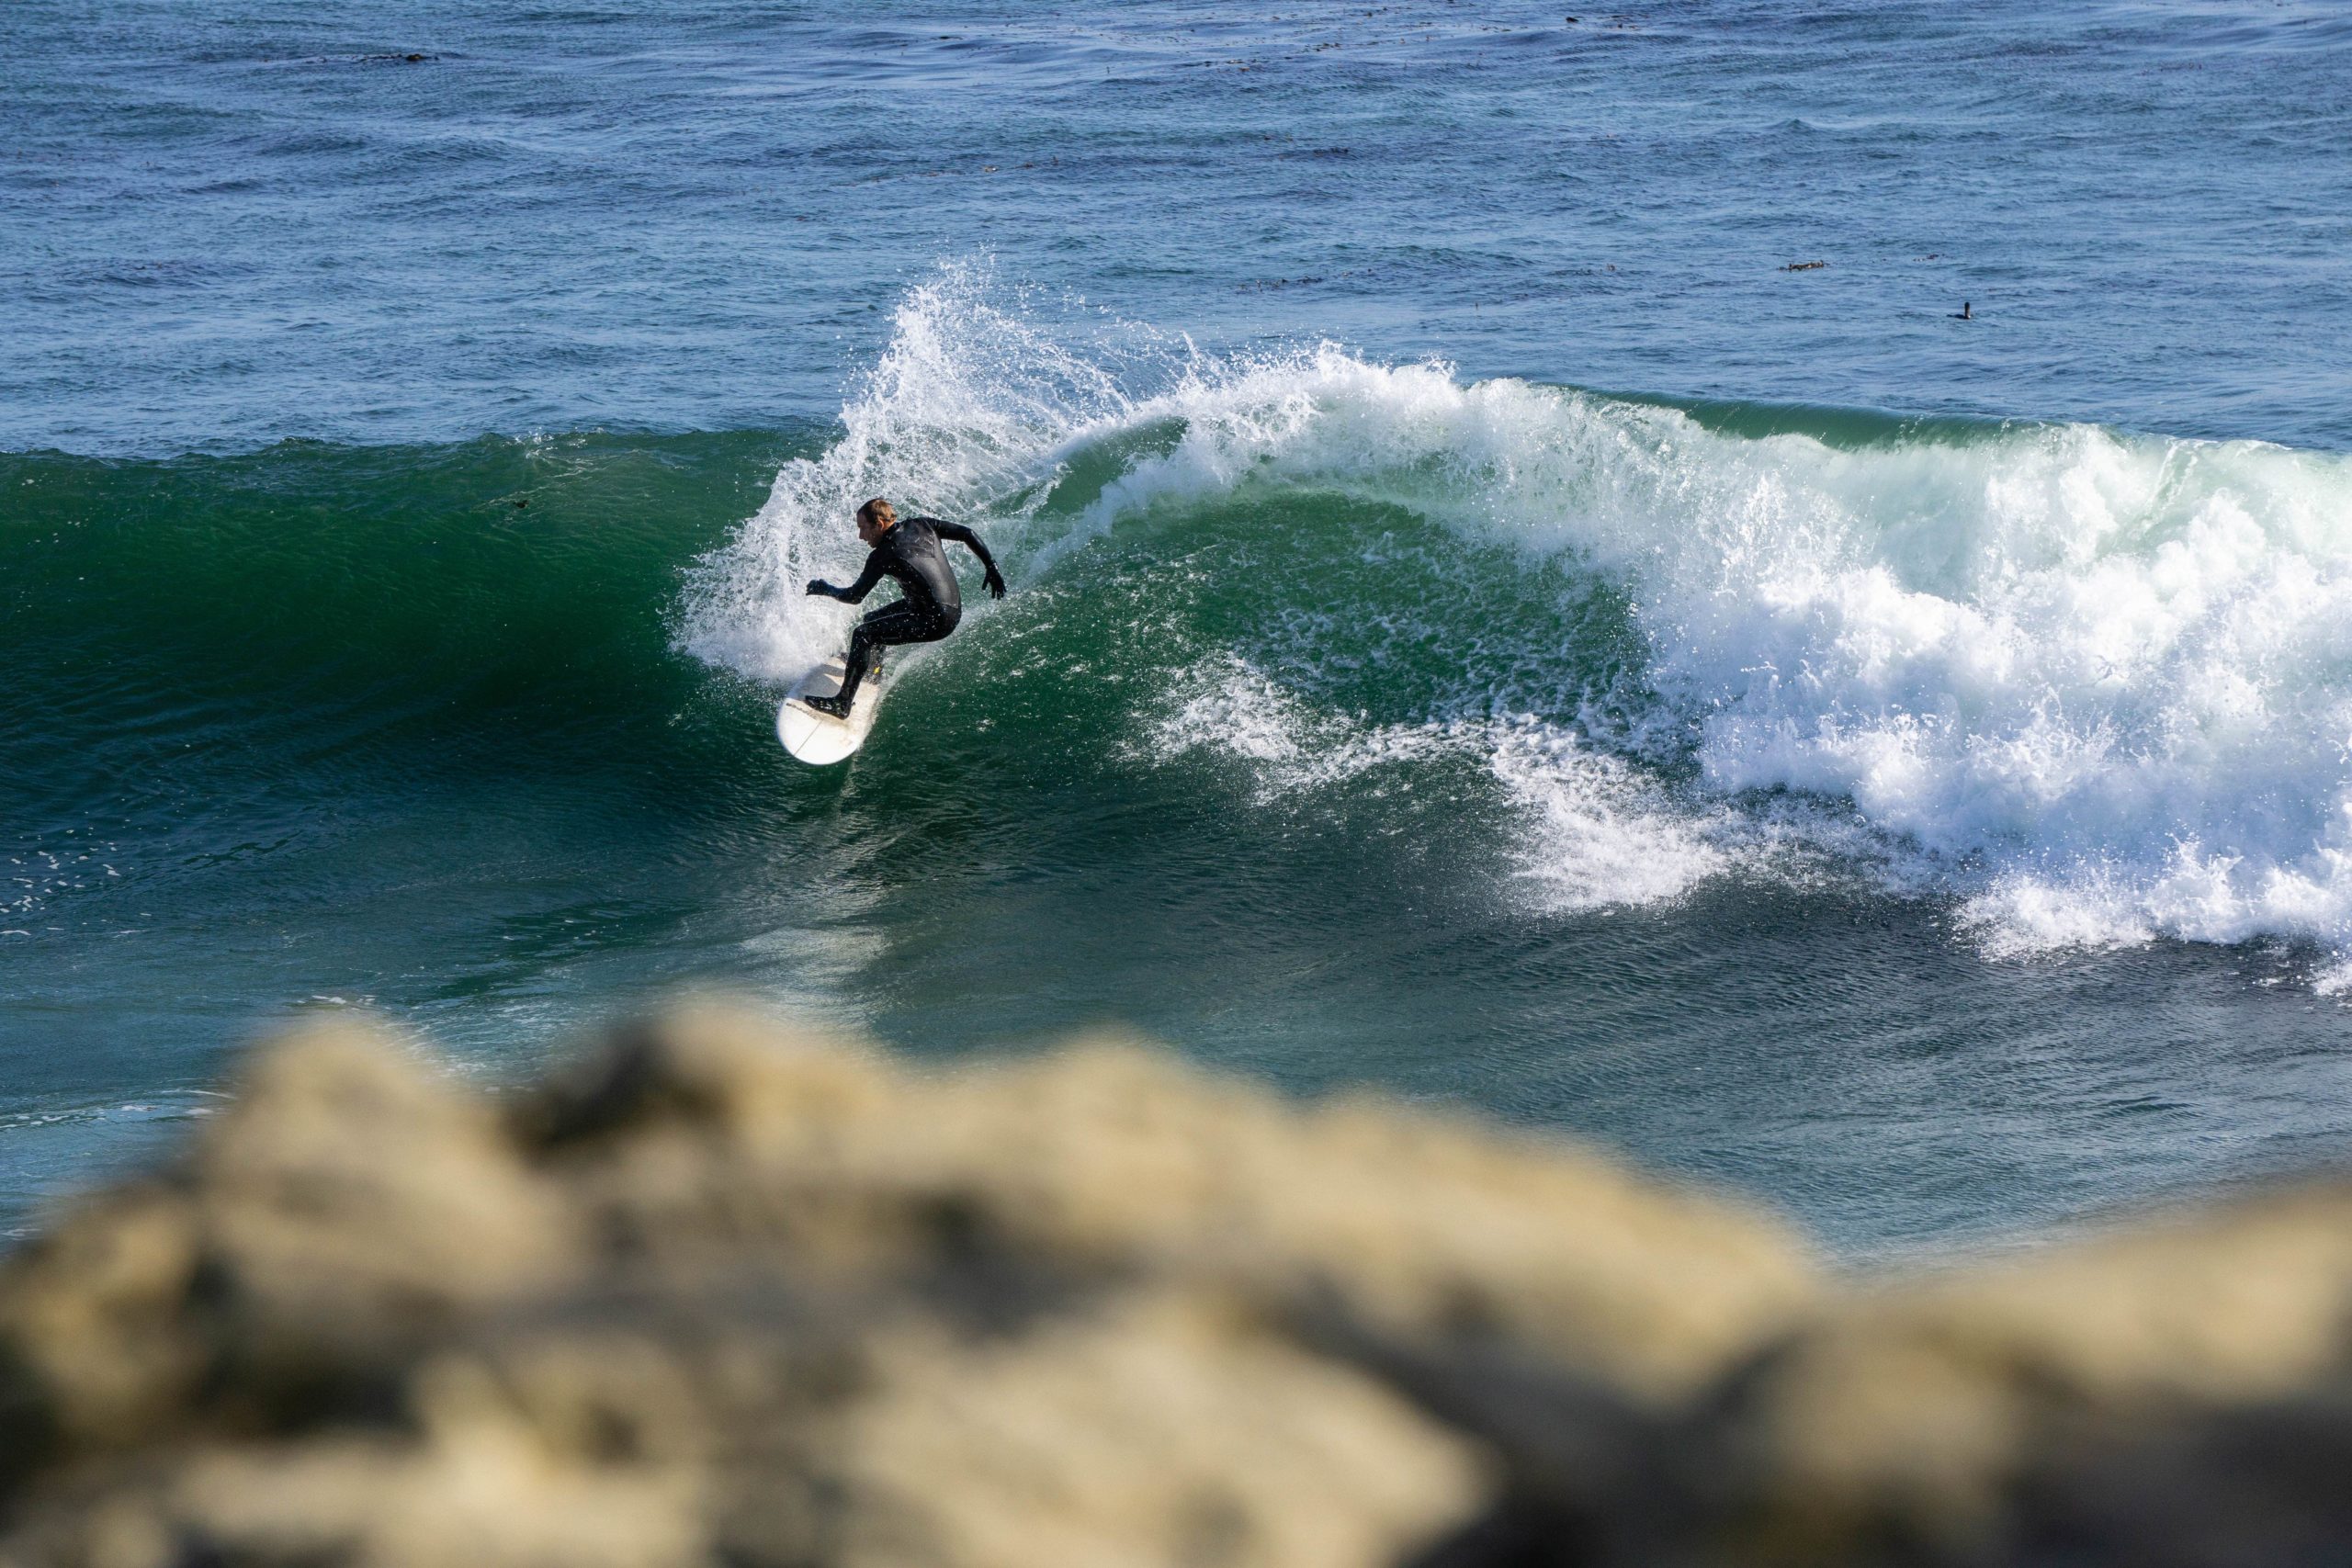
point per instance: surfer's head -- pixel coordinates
(875, 518)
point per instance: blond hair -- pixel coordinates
(879, 510)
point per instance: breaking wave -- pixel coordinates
(2096, 686)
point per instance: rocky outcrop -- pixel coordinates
(727, 1293)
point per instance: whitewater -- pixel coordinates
(2095, 686)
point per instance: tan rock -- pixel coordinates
(732, 1292)
(1106, 1159)
(354, 1190)
(353, 1195)
(96, 1348)
(482, 1494)
(1164, 1432)
(1940, 1416)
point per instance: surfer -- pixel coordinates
(930, 605)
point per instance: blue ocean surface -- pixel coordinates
(1528, 592)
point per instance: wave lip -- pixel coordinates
(2095, 685)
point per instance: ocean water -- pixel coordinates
(1491, 620)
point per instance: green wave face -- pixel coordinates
(196, 635)
(322, 725)
(312, 612)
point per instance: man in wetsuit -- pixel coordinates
(930, 605)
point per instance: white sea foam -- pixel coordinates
(1607, 835)
(1290, 746)
(968, 408)
(1602, 833)
(2097, 685)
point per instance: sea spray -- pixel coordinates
(970, 405)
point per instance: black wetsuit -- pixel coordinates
(910, 553)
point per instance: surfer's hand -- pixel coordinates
(995, 581)
(825, 588)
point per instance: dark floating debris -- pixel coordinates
(1804, 266)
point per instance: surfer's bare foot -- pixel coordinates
(831, 707)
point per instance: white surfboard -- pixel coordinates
(818, 738)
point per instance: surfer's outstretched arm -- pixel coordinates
(971, 541)
(857, 592)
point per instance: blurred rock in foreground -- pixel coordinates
(731, 1294)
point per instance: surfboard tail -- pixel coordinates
(820, 739)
